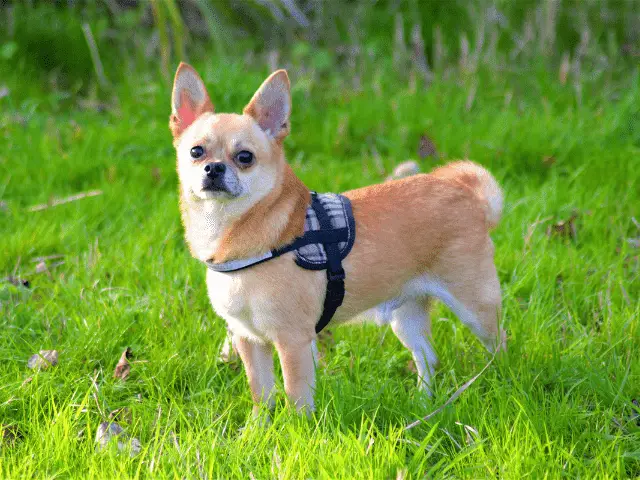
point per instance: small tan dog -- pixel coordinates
(421, 237)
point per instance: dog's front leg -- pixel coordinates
(298, 369)
(258, 363)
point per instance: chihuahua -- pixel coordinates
(421, 237)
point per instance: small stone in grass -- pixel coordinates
(107, 431)
(43, 359)
(405, 169)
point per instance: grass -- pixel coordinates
(558, 403)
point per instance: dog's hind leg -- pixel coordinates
(412, 325)
(469, 285)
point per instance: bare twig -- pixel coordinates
(96, 392)
(565, 67)
(419, 56)
(273, 9)
(625, 295)
(399, 47)
(199, 464)
(44, 258)
(15, 268)
(377, 160)
(295, 13)
(439, 49)
(532, 227)
(60, 201)
(464, 52)
(452, 398)
(95, 55)
(471, 97)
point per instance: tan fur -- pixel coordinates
(481, 183)
(248, 237)
(416, 237)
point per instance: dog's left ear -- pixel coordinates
(271, 105)
(189, 99)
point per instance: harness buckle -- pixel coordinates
(336, 276)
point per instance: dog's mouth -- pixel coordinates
(218, 187)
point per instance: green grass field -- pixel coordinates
(557, 404)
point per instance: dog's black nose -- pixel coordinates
(214, 170)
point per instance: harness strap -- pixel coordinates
(335, 273)
(315, 236)
(329, 238)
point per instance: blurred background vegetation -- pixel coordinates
(87, 46)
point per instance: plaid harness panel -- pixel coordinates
(329, 234)
(339, 228)
(338, 209)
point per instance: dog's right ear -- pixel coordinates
(189, 99)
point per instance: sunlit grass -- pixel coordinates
(557, 403)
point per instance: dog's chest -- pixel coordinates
(230, 299)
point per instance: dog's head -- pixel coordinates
(228, 157)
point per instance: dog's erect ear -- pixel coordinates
(271, 105)
(189, 99)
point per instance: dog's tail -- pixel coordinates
(481, 182)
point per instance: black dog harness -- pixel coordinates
(329, 233)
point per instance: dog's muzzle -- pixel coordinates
(216, 178)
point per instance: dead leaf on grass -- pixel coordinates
(122, 414)
(548, 160)
(411, 366)
(123, 367)
(471, 434)
(426, 147)
(565, 67)
(156, 174)
(565, 228)
(18, 282)
(43, 359)
(9, 434)
(108, 431)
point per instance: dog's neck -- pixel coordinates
(221, 231)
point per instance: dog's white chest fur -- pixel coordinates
(231, 300)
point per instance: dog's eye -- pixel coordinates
(244, 158)
(197, 151)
